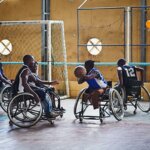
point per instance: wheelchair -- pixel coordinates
(23, 110)
(111, 103)
(135, 95)
(56, 100)
(5, 96)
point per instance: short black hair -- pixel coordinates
(121, 62)
(26, 58)
(89, 63)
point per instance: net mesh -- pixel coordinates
(58, 56)
(26, 38)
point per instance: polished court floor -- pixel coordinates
(132, 133)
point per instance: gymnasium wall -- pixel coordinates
(20, 36)
(106, 25)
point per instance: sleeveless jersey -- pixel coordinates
(129, 74)
(17, 86)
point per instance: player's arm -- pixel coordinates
(4, 80)
(26, 86)
(120, 75)
(92, 75)
(39, 81)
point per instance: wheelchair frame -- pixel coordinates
(8, 104)
(136, 100)
(111, 104)
(5, 97)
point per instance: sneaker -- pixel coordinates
(52, 115)
(56, 109)
(62, 109)
(59, 109)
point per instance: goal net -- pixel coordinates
(26, 37)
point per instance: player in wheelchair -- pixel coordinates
(99, 94)
(35, 82)
(131, 86)
(5, 89)
(28, 106)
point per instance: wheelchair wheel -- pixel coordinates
(116, 104)
(143, 102)
(5, 97)
(23, 111)
(121, 91)
(78, 105)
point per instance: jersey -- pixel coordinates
(17, 86)
(33, 84)
(98, 82)
(129, 74)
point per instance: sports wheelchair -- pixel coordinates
(5, 96)
(111, 103)
(22, 109)
(135, 95)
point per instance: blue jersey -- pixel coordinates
(98, 82)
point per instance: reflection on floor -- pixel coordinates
(132, 133)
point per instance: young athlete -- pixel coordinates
(127, 73)
(41, 84)
(128, 76)
(21, 85)
(97, 83)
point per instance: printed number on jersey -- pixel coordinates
(130, 72)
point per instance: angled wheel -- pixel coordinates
(5, 97)
(78, 104)
(122, 92)
(143, 102)
(23, 111)
(116, 104)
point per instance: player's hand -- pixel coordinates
(54, 82)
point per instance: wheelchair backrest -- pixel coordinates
(133, 88)
(109, 83)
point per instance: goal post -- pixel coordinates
(26, 38)
(56, 57)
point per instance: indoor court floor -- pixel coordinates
(132, 133)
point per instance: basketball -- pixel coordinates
(79, 71)
(148, 24)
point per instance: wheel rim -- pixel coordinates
(116, 104)
(6, 96)
(78, 105)
(143, 101)
(23, 112)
